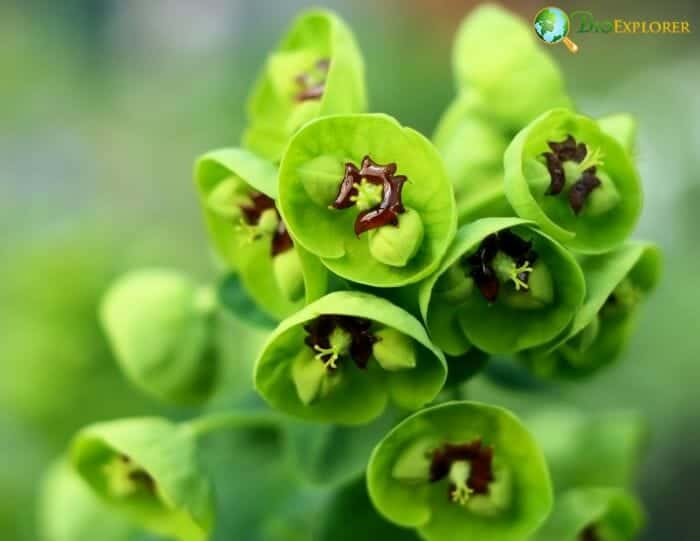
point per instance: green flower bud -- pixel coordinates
(320, 178)
(394, 350)
(70, 511)
(461, 470)
(289, 274)
(341, 358)
(147, 468)
(594, 513)
(397, 245)
(161, 328)
(454, 285)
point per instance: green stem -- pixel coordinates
(214, 422)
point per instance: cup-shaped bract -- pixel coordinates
(148, 469)
(616, 283)
(161, 327)
(577, 182)
(369, 197)
(593, 514)
(341, 359)
(472, 147)
(497, 54)
(317, 70)
(237, 191)
(503, 287)
(70, 511)
(461, 470)
(588, 450)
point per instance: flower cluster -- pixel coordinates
(392, 267)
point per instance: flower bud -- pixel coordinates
(393, 350)
(308, 374)
(454, 286)
(161, 327)
(396, 245)
(321, 178)
(147, 468)
(604, 198)
(289, 274)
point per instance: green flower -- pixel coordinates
(578, 183)
(497, 55)
(616, 283)
(623, 128)
(503, 287)
(316, 71)
(342, 357)
(147, 469)
(162, 329)
(237, 192)
(594, 514)
(461, 470)
(330, 201)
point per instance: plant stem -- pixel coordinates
(214, 422)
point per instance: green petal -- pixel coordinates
(161, 328)
(612, 513)
(350, 138)
(274, 113)
(358, 395)
(179, 504)
(623, 127)
(498, 327)
(426, 507)
(585, 233)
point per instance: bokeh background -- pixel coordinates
(104, 104)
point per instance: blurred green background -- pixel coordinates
(104, 104)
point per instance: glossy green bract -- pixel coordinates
(605, 514)
(147, 468)
(497, 54)
(161, 327)
(616, 283)
(296, 378)
(399, 475)
(311, 173)
(610, 211)
(457, 314)
(319, 51)
(229, 181)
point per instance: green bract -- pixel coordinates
(577, 182)
(317, 70)
(147, 468)
(395, 215)
(458, 312)
(601, 514)
(616, 283)
(497, 55)
(461, 470)
(162, 329)
(238, 191)
(342, 357)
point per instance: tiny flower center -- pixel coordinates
(459, 474)
(333, 337)
(125, 478)
(312, 83)
(589, 534)
(508, 270)
(368, 195)
(467, 467)
(340, 342)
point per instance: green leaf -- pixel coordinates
(496, 54)
(608, 513)
(611, 211)
(568, 356)
(349, 138)
(274, 111)
(148, 469)
(501, 327)
(590, 450)
(162, 329)
(351, 395)
(519, 497)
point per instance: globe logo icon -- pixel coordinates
(552, 26)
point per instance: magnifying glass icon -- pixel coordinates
(552, 26)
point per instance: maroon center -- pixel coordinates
(319, 331)
(480, 458)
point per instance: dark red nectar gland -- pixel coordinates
(481, 262)
(467, 466)
(589, 534)
(313, 85)
(333, 337)
(387, 210)
(138, 476)
(281, 241)
(570, 150)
